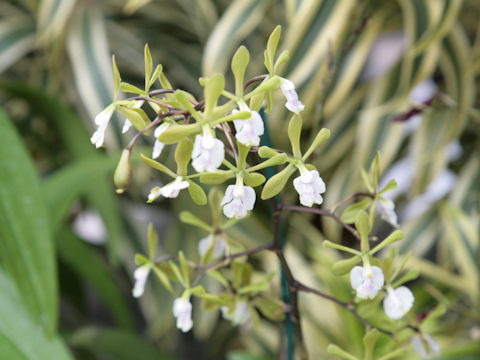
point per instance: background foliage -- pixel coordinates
(62, 297)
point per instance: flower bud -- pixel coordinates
(123, 172)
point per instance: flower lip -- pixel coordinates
(398, 302)
(182, 310)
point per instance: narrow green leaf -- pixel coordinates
(271, 49)
(188, 218)
(26, 245)
(213, 89)
(337, 351)
(116, 78)
(277, 182)
(362, 223)
(239, 66)
(148, 65)
(21, 337)
(197, 194)
(156, 165)
(294, 132)
(183, 154)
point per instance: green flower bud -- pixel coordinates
(123, 172)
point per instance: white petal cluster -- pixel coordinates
(238, 200)
(386, 209)
(218, 244)
(248, 131)
(102, 120)
(309, 186)
(208, 153)
(427, 347)
(170, 190)
(288, 90)
(367, 281)
(158, 146)
(239, 316)
(398, 302)
(182, 310)
(140, 275)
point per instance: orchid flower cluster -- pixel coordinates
(218, 140)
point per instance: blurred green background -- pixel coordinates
(398, 77)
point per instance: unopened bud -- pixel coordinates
(123, 172)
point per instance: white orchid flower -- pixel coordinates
(218, 243)
(426, 347)
(239, 316)
(367, 281)
(170, 190)
(309, 186)
(102, 120)
(208, 152)
(238, 200)
(182, 310)
(140, 275)
(398, 302)
(248, 131)
(288, 90)
(158, 146)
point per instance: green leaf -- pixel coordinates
(343, 267)
(332, 245)
(163, 279)
(271, 49)
(369, 341)
(91, 268)
(362, 223)
(270, 308)
(184, 266)
(239, 19)
(254, 179)
(137, 117)
(188, 218)
(26, 245)
(156, 165)
(21, 337)
(239, 66)
(277, 182)
(197, 194)
(183, 154)
(244, 355)
(17, 38)
(129, 88)
(266, 152)
(410, 275)
(116, 78)
(322, 135)
(294, 132)
(115, 344)
(89, 55)
(337, 351)
(65, 185)
(395, 353)
(152, 241)
(148, 65)
(351, 212)
(76, 141)
(390, 239)
(155, 76)
(176, 133)
(218, 177)
(213, 89)
(392, 184)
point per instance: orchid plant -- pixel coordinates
(221, 137)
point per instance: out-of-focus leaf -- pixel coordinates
(114, 344)
(90, 58)
(68, 183)
(26, 243)
(17, 37)
(53, 15)
(90, 267)
(21, 337)
(100, 195)
(239, 20)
